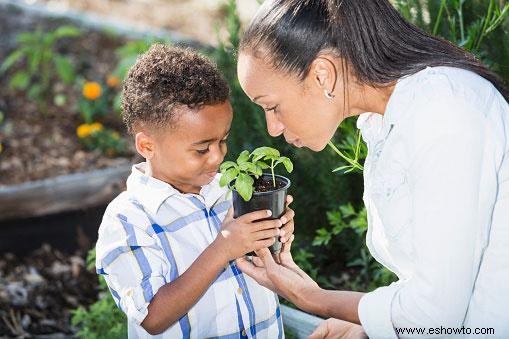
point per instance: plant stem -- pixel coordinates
(272, 171)
(439, 17)
(352, 162)
(460, 18)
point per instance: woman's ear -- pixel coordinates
(324, 73)
(145, 145)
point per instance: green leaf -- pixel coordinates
(64, 69)
(228, 176)
(226, 165)
(243, 157)
(245, 166)
(34, 92)
(287, 163)
(11, 60)
(347, 210)
(26, 38)
(256, 171)
(244, 186)
(20, 81)
(262, 165)
(66, 32)
(265, 152)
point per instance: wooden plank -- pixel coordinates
(62, 193)
(298, 324)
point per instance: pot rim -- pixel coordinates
(283, 178)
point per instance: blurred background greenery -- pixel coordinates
(330, 216)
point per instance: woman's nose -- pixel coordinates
(274, 126)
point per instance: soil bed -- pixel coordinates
(37, 145)
(43, 275)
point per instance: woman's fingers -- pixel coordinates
(257, 273)
(320, 332)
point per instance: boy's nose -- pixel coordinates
(274, 126)
(216, 157)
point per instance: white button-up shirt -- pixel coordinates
(437, 195)
(150, 234)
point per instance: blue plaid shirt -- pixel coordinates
(150, 234)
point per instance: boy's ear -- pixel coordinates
(145, 145)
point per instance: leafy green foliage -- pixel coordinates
(249, 165)
(346, 218)
(106, 141)
(41, 63)
(458, 21)
(103, 319)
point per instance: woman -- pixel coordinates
(436, 177)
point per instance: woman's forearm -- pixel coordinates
(342, 305)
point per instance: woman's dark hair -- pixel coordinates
(372, 38)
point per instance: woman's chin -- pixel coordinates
(317, 147)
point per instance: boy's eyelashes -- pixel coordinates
(206, 150)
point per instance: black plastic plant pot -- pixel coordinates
(273, 200)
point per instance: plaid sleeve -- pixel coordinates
(131, 261)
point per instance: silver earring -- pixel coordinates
(328, 95)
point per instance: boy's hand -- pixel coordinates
(245, 234)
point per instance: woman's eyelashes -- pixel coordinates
(273, 108)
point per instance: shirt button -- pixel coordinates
(239, 290)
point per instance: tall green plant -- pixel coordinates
(41, 64)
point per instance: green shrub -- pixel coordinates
(103, 319)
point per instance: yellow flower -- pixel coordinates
(95, 127)
(85, 130)
(112, 81)
(92, 90)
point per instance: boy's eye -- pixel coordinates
(202, 151)
(223, 141)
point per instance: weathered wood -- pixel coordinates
(299, 324)
(62, 193)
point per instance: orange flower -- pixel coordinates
(85, 130)
(92, 90)
(112, 81)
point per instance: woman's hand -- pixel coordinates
(338, 329)
(285, 278)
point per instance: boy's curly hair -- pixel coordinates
(166, 78)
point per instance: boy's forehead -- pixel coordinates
(207, 120)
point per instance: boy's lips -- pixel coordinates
(211, 174)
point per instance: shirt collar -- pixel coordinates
(152, 192)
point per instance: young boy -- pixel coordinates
(167, 244)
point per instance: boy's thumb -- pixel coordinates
(229, 214)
